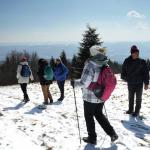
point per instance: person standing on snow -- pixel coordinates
(45, 84)
(135, 73)
(60, 74)
(24, 73)
(92, 105)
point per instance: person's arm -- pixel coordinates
(31, 76)
(124, 72)
(86, 77)
(65, 70)
(18, 71)
(145, 75)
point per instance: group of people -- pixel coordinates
(59, 73)
(134, 72)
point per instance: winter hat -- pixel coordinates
(23, 58)
(41, 60)
(94, 50)
(134, 49)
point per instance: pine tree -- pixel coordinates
(34, 66)
(74, 65)
(63, 58)
(116, 67)
(52, 62)
(90, 38)
(74, 61)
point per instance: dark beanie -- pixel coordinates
(134, 49)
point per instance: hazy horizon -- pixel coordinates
(116, 51)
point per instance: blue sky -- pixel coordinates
(66, 20)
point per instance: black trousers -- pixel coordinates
(24, 90)
(61, 87)
(135, 89)
(92, 110)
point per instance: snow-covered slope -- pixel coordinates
(25, 127)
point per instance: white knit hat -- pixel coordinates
(94, 50)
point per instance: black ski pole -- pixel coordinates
(77, 114)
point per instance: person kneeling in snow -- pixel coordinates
(92, 105)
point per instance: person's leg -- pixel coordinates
(24, 90)
(89, 118)
(139, 91)
(131, 93)
(103, 121)
(49, 94)
(61, 88)
(45, 94)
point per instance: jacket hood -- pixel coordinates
(99, 60)
(24, 63)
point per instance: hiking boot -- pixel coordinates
(45, 103)
(114, 137)
(51, 101)
(88, 140)
(61, 99)
(26, 100)
(135, 114)
(129, 112)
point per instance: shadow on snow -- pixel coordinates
(137, 126)
(92, 147)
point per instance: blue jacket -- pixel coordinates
(61, 72)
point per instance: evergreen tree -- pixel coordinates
(116, 67)
(90, 38)
(63, 58)
(74, 70)
(74, 61)
(52, 62)
(34, 65)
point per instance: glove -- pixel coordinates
(145, 87)
(72, 83)
(31, 77)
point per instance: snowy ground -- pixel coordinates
(25, 127)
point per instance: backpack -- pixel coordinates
(105, 84)
(25, 71)
(48, 73)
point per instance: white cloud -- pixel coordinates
(135, 14)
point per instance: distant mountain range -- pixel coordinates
(116, 51)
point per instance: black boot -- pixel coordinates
(135, 114)
(26, 99)
(89, 140)
(51, 101)
(45, 103)
(129, 112)
(114, 137)
(61, 98)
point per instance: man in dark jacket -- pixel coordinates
(135, 73)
